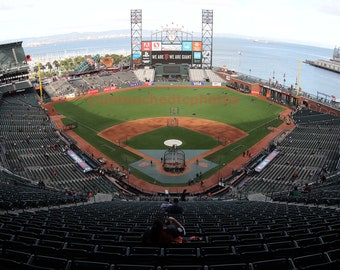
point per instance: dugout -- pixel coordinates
(172, 72)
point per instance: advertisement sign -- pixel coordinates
(86, 168)
(197, 46)
(171, 57)
(171, 47)
(146, 57)
(197, 57)
(156, 46)
(146, 46)
(187, 46)
(266, 161)
(109, 88)
(92, 91)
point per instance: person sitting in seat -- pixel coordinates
(175, 208)
(171, 231)
(166, 204)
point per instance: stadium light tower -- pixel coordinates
(136, 37)
(207, 38)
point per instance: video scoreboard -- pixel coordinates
(157, 52)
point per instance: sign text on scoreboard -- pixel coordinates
(158, 52)
(171, 57)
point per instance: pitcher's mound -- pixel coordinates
(172, 142)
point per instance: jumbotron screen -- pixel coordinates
(156, 52)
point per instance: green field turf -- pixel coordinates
(96, 113)
(155, 139)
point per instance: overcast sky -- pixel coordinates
(312, 22)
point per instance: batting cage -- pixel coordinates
(174, 160)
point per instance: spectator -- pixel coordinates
(41, 184)
(166, 204)
(295, 192)
(175, 208)
(162, 233)
(183, 195)
(307, 188)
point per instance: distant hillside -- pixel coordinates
(39, 41)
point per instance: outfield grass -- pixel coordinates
(220, 104)
(96, 113)
(155, 139)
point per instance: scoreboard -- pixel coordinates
(157, 52)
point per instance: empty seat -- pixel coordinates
(222, 239)
(5, 236)
(89, 265)
(16, 255)
(144, 255)
(217, 259)
(75, 253)
(38, 249)
(16, 245)
(145, 250)
(179, 255)
(277, 264)
(105, 238)
(183, 267)
(334, 254)
(134, 267)
(110, 253)
(249, 238)
(9, 264)
(250, 248)
(217, 250)
(72, 245)
(310, 260)
(49, 261)
(252, 252)
(229, 266)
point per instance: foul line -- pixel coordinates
(233, 149)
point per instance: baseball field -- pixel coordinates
(219, 122)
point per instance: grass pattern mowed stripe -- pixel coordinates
(220, 104)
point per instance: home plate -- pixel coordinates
(172, 142)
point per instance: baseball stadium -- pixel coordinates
(88, 158)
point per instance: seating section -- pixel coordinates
(25, 196)
(204, 75)
(213, 77)
(308, 153)
(230, 235)
(145, 74)
(32, 148)
(80, 85)
(197, 75)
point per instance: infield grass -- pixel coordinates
(155, 139)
